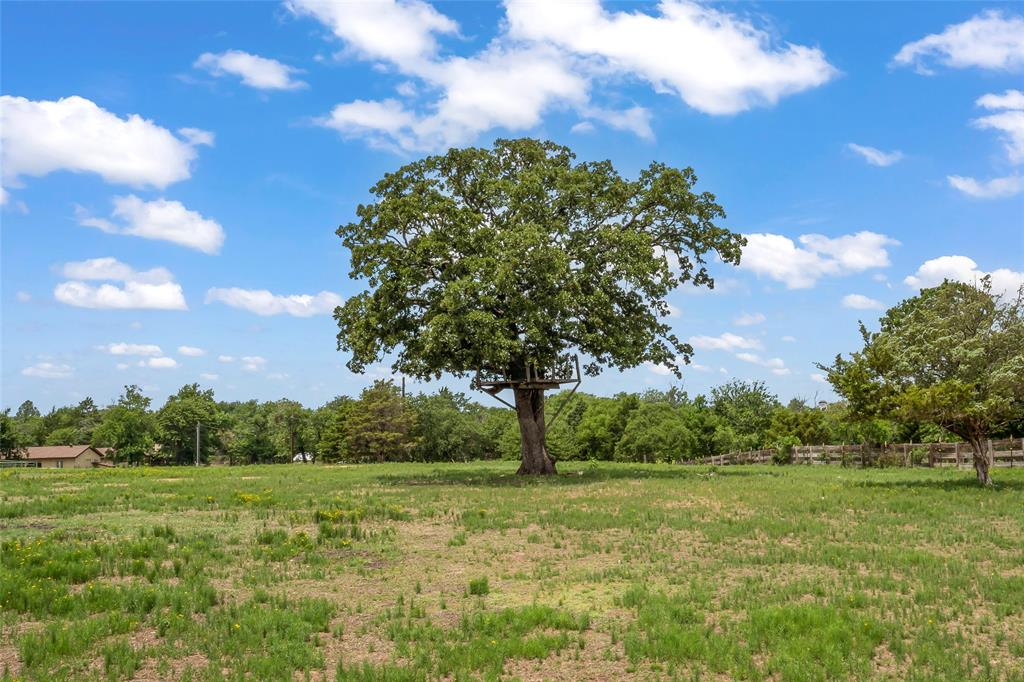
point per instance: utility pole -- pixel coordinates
(197, 443)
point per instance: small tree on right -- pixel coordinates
(953, 355)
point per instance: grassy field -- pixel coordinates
(408, 572)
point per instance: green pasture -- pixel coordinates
(427, 571)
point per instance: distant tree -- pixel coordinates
(11, 444)
(290, 419)
(602, 424)
(177, 421)
(128, 426)
(746, 408)
(332, 420)
(380, 426)
(516, 257)
(656, 432)
(251, 442)
(952, 355)
(27, 410)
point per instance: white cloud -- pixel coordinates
(197, 137)
(74, 134)
(225, 358)
(673, 311)
(583, 127)
(1011, 124)
(876, 157)
(748, 319)
(151, 289)
(206, 376)
(253, 363)
(262, 302)
(48, 370)
(789, 339)
(131, 349)
(820, 378)
(23, 297)
(963, 269)
(159, 363)
(994, 188)
(717, 62)
(402, 32)
(779, 258)
(191, 351)
(255, 71)
(1011, 99)
(660, 370)
(636, 120)
(989, 40)
(776, 365)
(121, 366)
(278, 376)
(159, 219)
(726, 341)
(861, 302)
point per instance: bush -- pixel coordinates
(479, 586)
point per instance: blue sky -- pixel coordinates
(173, 172)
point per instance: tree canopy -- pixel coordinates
(953, 355)
(495, 259)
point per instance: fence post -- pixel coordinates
(991, 454)
(958, 454)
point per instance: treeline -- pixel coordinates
(379, 425)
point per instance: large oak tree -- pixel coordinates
(508, 260)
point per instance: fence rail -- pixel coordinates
(1006, 452)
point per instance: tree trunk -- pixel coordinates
(532, 433)
(982, 461)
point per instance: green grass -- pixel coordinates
(416, 572)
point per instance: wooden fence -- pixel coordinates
(1006, 452)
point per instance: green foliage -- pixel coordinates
(479, 586)
(380, 426)
(655, 432)
(12, 443)
(952, 355)
(747, 407)
(128, 426)
(177, 421)
(487, 258)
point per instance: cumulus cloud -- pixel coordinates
(74, 134)
(159, 219)
(717, 62)
(159, 363)
(23, 297)
(1010, 122)
(401, 32)
(255, 71)
(861, 302)
(263, 302)
(48, 370)
(726, 341)
(990, 40)
(820, 378)
(253, 363)
(994, 188)
(225, 358)
(776, 365)
(150, 289)
(800, 267)
(207, 376)
(748, 319)
(963, 269)
(191, 351)
(876, 157)
(131, 349)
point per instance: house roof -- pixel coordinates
(57, 451)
